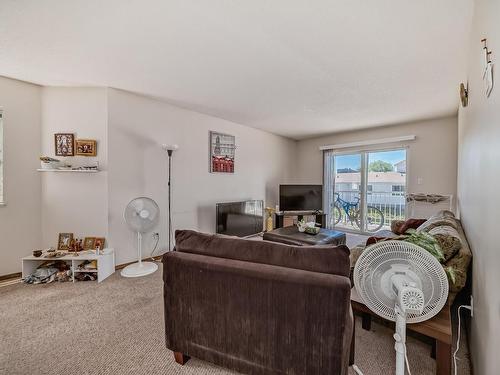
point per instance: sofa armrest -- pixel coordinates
(254, 317)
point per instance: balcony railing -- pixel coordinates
(392, 205)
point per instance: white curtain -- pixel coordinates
(328, 184)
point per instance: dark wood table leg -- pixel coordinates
(443, 358)
(181, 358)
(353, 344)
(433, 349)
(366, 321)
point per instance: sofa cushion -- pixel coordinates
(324, 259)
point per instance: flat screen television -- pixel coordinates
(240, 219)
(301, 197)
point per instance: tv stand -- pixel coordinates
(280, 217)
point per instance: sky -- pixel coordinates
(354, 161)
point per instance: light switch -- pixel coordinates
(420, 181)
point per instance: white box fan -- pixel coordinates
(403, 283)
(141, 214)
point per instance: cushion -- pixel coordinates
(324, 259)
(448, 239)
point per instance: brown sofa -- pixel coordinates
(258, 307)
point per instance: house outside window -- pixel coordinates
(398, 190)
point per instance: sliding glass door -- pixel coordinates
(365, 190)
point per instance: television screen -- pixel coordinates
(301, 197)
(240, 218)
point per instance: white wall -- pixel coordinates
(20, 218)
(478, 187)
(138, 125)
(431, 157)
(74, 202)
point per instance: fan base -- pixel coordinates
(139, 269)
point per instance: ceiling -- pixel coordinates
(297, 68)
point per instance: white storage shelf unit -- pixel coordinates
(105, 263)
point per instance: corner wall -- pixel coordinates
(20, 231)
(478, 188)
(432, 156)
(138, 125)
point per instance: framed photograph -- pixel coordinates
(99, 243)
(86, 147)
(89, 243)
(64, 144)
(64, 242)
(222, 151)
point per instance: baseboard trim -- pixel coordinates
(10, 276)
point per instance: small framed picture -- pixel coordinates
(222, 151)
(64, 242)
(64, 144)
(89, 243)
(86, 147)
(99, 243)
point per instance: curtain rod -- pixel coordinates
(368, 143)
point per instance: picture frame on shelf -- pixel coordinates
(99, 243)
(64, 144)
(89, 243)
(64, 241)
(86, 147)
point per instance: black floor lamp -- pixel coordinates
(170, 150)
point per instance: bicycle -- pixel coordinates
(374, 217)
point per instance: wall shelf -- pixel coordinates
(69, 170)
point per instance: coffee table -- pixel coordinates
(292, 236)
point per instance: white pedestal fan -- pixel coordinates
(401, 282)
(141, 214)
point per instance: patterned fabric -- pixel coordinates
(396, 226)
(448, 239)
(460, 264)
(437, 222)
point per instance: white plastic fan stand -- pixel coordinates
(400, 338)
(140, 268)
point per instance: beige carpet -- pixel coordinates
(116, 327)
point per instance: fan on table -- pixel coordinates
(401, 282)
(141, 214)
